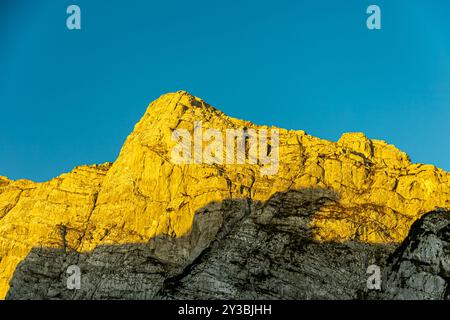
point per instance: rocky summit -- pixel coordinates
(148, 227)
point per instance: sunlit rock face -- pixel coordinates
(364, 193)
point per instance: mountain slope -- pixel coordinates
(370, 194)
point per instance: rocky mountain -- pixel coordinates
(147, 226)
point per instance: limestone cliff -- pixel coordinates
(357, 192)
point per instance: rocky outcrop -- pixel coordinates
(45, 214)
(420, 267)
(147, 203)
(237, 249)
(258, 251)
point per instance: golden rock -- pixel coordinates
(377, 192)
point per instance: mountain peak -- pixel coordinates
(170, 101)
(366, 188)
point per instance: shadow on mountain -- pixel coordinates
(237, 249)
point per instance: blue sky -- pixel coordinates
(71, 97)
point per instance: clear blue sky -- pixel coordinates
(71, 97)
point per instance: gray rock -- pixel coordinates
(420, 268)
(242, 249)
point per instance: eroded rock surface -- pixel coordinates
(237, 249)
(420, 267)
(256, 251)
(144, 197)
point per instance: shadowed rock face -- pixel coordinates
(259, 251)
(237, 249)
(146, 201)
(420, 267)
